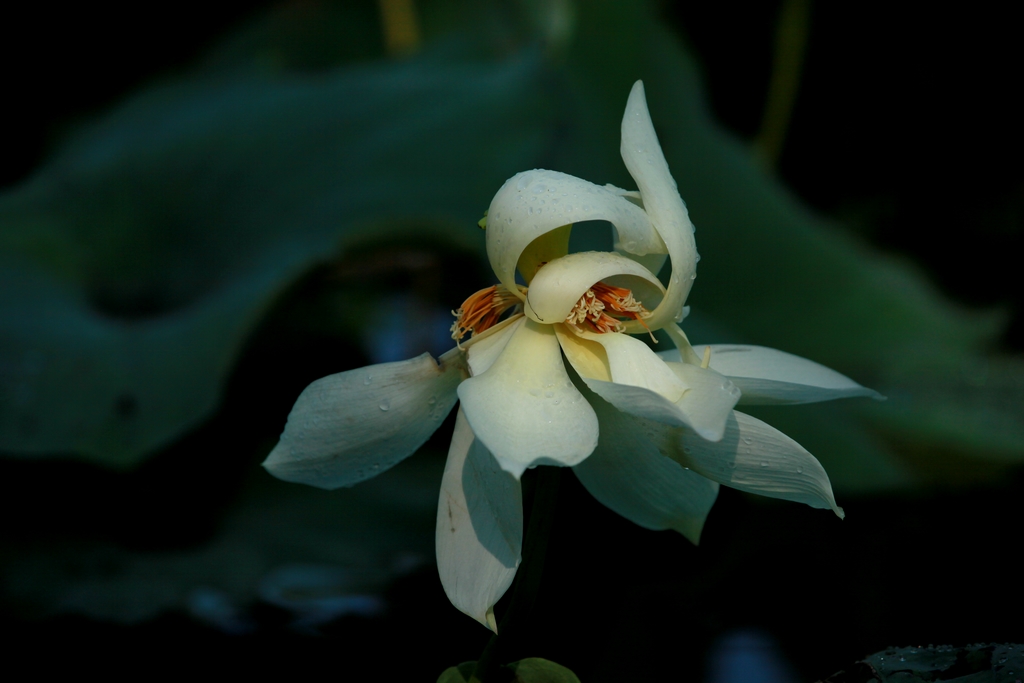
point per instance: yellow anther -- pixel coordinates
(707, 358)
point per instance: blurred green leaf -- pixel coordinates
(775, 274)
(136, 262)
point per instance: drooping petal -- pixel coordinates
(767, 376)
(536, 202)
(486, 348)
(642, 155)
(753, 457)
(628, 474)
(352, 426)
(525, 409)
(479, 533)
(709, 401)
(557, 286)
(627, 360)
(641, 387)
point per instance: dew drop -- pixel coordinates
(748, 441)
(385, 405)
(764, 463)
(696, 259)
(432, 400)
(799, 470)
(693, 276)
(367, 380)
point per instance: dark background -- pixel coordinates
(906, 127)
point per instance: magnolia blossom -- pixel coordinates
(548, 373)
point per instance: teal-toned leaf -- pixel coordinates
(773, 273)
(135, 263)
(537, 670)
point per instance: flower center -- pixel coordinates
(603, 306)
(482, 310)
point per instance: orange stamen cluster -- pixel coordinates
(482, 310)
(602, 308)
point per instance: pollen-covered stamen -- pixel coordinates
(482, 310)
(603, 307)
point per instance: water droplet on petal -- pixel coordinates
(748, 440)
(432, 400)
(367, 380)
(385, 405)
(764, 463)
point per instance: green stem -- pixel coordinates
(524, 595)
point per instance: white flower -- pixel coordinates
(650, 435)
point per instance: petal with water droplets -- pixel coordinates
(351, 426)
(534, 203)
(641, 152)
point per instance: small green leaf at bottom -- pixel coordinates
(457, 674)
(537, 670)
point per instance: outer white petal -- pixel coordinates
(486, 349)
(626, 360)
(646, 163)
(525, 409)
(352, 426)
(533, 203)
(753, 457)
(479, 529)
(767, 376)
(558, 286)
(628, 475)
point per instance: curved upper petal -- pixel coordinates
(643, 157)
(479, 532)
(525, 409)
(533, 203)
(558, 286)
(769, 376)
(752, 456)
(628, 474)
(352, 426)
